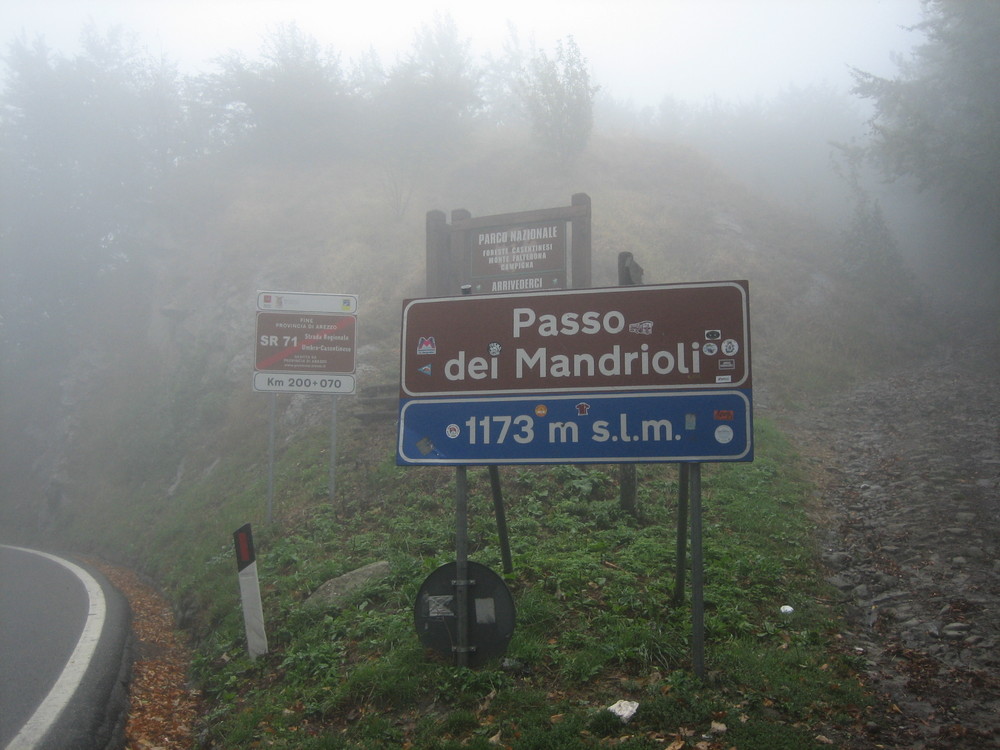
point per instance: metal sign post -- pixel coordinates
(501, 516)
(272, 417)
(462, 565)
(683, 487)
(333, 447)
(697, 577)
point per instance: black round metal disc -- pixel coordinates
(491, 613)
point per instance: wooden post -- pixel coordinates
(580, 250)
(437, 254)
(458, 252)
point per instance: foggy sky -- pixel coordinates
(639, 50)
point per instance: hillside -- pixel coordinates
(162, 382)
(155, 446)
(144, 208)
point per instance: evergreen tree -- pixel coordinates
(292, 102)
(938, 121)
(560, 100)
(83, 141)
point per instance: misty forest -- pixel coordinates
(142, 209)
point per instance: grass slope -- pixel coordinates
(592, 586)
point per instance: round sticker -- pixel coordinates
(541, 410)
(724, 434)
(730, 347)
(710, 349)
(452, 431)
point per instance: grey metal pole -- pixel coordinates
(333, 448)
(697, 577)
(501, 514)
(270, 458)
(462, 565)
(683, 485)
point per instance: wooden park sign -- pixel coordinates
(526, 251)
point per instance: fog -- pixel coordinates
(640, 51)
(162, 162)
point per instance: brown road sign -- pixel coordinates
(305, 343)
(667, 337)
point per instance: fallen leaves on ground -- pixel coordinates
(163, 709)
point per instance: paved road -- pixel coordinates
(64, 654)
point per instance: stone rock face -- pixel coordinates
(331, 593)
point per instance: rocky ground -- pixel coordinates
(909, 470)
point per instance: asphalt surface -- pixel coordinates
(65, 654)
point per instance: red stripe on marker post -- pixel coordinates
(243, 541)
(253, 611)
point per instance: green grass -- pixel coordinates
(592, 587)
(592, 584)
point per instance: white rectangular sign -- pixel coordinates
(308, 302)
(302, 382)
(304, 341)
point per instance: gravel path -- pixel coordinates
(909, 468)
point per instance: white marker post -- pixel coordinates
(253, 610)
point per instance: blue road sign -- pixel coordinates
(577, 428)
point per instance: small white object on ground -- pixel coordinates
(624, 710)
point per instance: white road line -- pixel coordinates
(48, 711)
